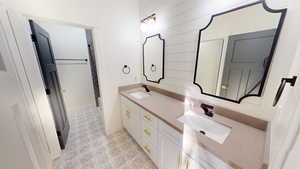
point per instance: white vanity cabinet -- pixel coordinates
(162, 143)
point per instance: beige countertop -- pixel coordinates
(243, 148)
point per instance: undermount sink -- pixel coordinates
(210, 128)
(139, 95)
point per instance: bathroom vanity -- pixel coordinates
(155, 120)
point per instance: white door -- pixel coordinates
(287, 117)
(170, 152)
(18, 32)
(209, 65)
(292, 161)
(20, 144)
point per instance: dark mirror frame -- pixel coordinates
(163, 58)
(278, 30)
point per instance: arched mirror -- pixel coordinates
(153, 58)
(235, 51)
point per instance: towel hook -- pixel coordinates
(284, 81)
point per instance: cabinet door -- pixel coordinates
(170, 152)
(206, 159)
(188, 163)
(136, 122)
(125, 116)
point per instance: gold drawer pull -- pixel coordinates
(128, 114)
(224, 86)
(187, 164)
(179, 160)
(147, 118)
(147, 149)
(147, 132)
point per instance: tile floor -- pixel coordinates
(89, 148)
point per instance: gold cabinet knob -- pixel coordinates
(128, 114)
(179, 161)
(224, 86)
(147, 149)
(147, 132)
(147, 118)
(187, 164)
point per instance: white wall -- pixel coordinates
(116, 31)
(69, 42)
(179, 23)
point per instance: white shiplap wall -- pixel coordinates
(179, 23)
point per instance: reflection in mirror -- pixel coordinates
(153, 57)
(235, 50)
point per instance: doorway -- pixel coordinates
(243, 74)
(68, 64)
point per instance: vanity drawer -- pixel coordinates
(150, 150)
(149, 134)
(149, 119)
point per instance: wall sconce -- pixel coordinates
(148, 24)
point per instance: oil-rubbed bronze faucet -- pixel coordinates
(207, 109)
(146, 88)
